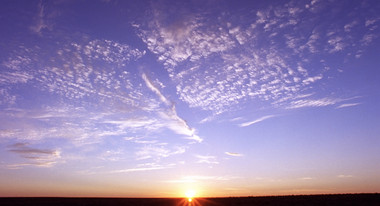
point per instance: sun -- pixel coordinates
(190, 194)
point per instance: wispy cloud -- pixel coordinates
(348, 105)
(200, 178)
(169, 115)
(312, 103)
(234, 154)
(140, 122)
(40, 22)
(157, 151)
(207, 159)
(150, 85)
(178, 125)
(140, 169)
(306, 178)
(345, 176)
(246, 124)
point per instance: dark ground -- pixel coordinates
(304, 200)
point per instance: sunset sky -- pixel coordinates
(222, 97)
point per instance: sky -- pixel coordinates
(153, 98)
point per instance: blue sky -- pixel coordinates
(227, 98)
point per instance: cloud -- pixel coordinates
(306, 178)
(93, 90)
(348, 27)
(206, 159)
(35, 164)
(336, 43)
(312, 79)
(348, 105)
(7, 99)
(157, 151)
(344, 176)
(172, 120)
(367, 39)
(178, 125)
(75, 125)
(150, 85)
(202, 178)
(245, 124)
(112, 155)
(137, 123)
(15, 77)
(139, 169)
(40, 22)
(35, 157)
(77, 71)
(218, 63)
(231, 81)
(234, 154)
(312, 103)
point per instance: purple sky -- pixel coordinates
(153, 98)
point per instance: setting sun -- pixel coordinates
(190, 194)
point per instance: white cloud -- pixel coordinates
(245, 124)
(312, 103)
(206, 159)
(218, 67)
(14, 77)
(155, 90)
(157, 151)
(347, 105)
(337, 44)
(312, 79)
(139, 169)
(76, 71)
(170, 117)
(141, 122)
(234, 154)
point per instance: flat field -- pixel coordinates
(301, 200)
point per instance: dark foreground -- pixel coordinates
(304, 200)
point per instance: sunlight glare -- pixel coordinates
(190, 195)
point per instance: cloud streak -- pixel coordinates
(246, 124)
(172, 120)
(150, 85)
(138, 169)
(199, 178)
(234, 154)
(347, 105)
